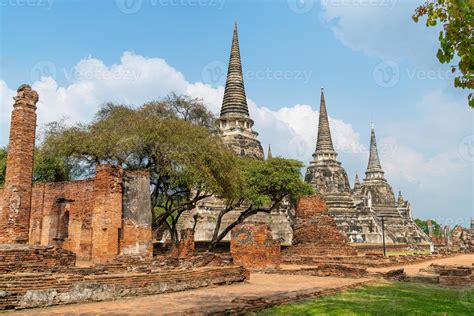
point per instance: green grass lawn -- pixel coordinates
(397, 298)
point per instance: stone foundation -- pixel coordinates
(452, 275)
(22, 258)
(252, 246)
(29, 290)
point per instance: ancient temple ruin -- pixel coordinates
(358, 211)
(235, 128)
(235, 124)
(326, 174)
(97, 219)
(376, 194)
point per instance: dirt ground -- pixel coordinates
(412, 269)
(259, 284)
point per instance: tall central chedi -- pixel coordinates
(235, 124)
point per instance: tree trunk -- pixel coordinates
(214, 240)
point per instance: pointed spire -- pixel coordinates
(235, 101)
(357, 185)
(269, 153)
(356, 181)
(324, 147)
(374, 169)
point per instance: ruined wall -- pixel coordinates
(27, 290)
(107, 213)
(136, 239)
(252, 246)
(185, 246)
(62, 216)
(98, 218)
(316, 232)
(26, 258)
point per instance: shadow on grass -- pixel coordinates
(397, 298)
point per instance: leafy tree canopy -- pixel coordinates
(265, 186)
(171, 138)
(423, 224)
(456, 36)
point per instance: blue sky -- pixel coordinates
(374, 62)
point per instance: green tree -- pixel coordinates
(456, 36)
(48, 166)
(171, 138)
(423, 224)
(3, 164)
(263, 187)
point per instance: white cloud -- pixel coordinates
(138, 79)
(417, 151)
(380, 28)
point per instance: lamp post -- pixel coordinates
(383, 236)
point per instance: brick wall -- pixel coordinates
(61, 215)
(16, 201)
(308, 206)
(14, 258)
(137, 218)
(185, 246)
(98, 218)
(29, 290)
(106, 213)
(252, 246)
(316, 232)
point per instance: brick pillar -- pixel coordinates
(16, 203)
(429, 223)
(106, 213)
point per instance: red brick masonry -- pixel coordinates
(15, 201)
(28, 290)
(252, 246)
(316, 232)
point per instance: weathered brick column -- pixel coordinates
(15, 205)
(107, 213)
